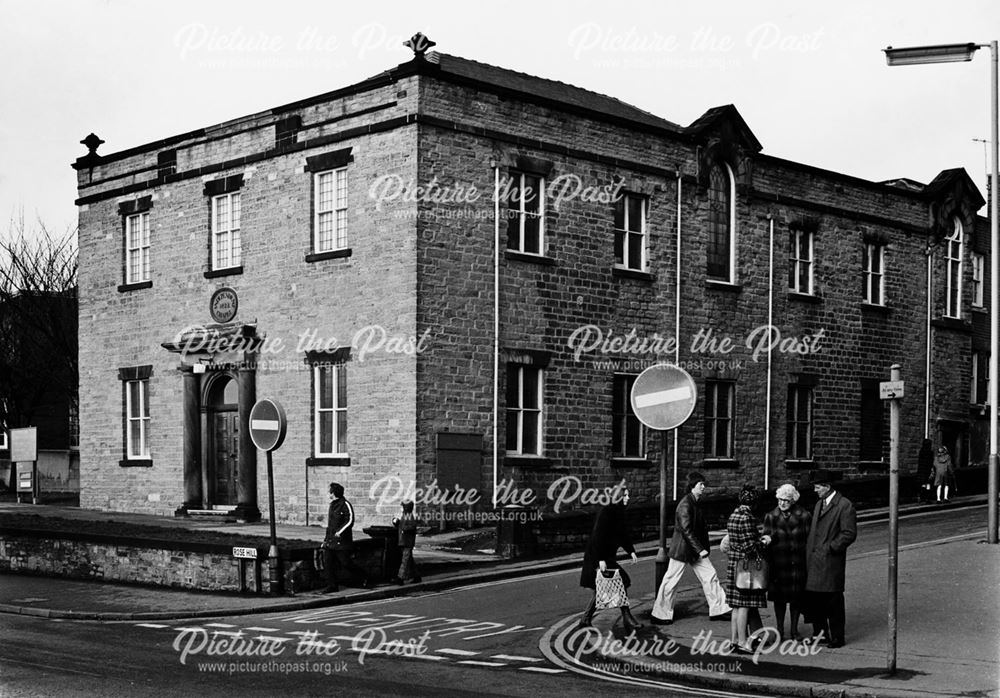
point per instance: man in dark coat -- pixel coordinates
(340, 540)
(834, 527)
(610, 533)
(689, 546)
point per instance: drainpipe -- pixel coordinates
(927, 366)
(677, 320)
(496, 327)
(770, 323)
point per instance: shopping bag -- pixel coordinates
(751, 573)
(610, 590)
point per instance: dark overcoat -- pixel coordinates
(826, 548)
(690, 531)
(340, 525)
(787, 551)
(406, 525)
(610, 533)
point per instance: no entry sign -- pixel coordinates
(663, 396)
(267, 425)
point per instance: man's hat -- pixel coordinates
(821, 477)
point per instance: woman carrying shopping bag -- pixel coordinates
(747, 550)
(610, 533)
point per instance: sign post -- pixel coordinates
(893, 392)
(24, 449)
(663, 397)
(268, 426)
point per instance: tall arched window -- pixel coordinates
(721, 224)
(953, 272)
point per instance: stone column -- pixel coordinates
(192, 442)
(246, 481)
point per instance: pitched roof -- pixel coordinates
(541, 88)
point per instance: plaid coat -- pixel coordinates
(787, 552)
(744, 541)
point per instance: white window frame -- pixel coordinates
(230, 235)
(620, 420)
(522, 214)
(523, 412)
(140, 422)
(953, 272)
(3, 437)
(712, 402)
(337, 210)
(978, 279)
(628, 234)
(974, 392)
(731, 180)
(808, 392)
(797, 258)
(335, 409)
(137, 256)
(871, 249)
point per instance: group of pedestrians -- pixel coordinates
(806, 555)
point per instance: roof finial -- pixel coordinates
(420, 44)
(93, 142)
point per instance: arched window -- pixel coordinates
(721, 224)
(953, 272)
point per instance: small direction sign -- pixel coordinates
(663, 396)
(24, 481)
(890, 390)
(268, 425)
(245, 553)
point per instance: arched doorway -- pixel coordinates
(223, 442)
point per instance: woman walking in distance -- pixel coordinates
(788, 526)
(610, 533)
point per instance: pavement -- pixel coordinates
(947, 648)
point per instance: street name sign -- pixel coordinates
(268, 425)
(245, 553)
(663, 396)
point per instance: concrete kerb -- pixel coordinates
(499, 572)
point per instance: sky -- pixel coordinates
(810, 79)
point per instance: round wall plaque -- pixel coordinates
(224, 305)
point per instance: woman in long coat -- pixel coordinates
(788, 526)
(610, 533)
(942, 472)
(744, 542)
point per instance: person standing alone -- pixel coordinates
(340, 540)
(689, 546)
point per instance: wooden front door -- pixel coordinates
(225, 456)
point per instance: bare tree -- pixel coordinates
(38, 321)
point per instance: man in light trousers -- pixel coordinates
(689, 546)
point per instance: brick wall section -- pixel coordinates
(278, 290)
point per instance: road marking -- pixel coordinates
(151, 625)
(432, 657)
(515, 658)
(57, 669)
(265, 630)
(475, 663)
(543, 670)
(219, 625)
(661, 397)
(460, 653)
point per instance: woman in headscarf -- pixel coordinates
(744, 542)
(788, 526)
(610, 533)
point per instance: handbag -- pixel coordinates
(724, 544)
(610, 590)
(751, 573)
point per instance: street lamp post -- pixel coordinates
(952, 53)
